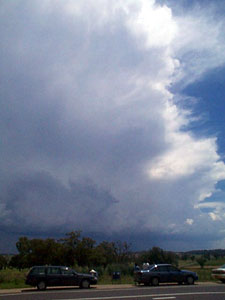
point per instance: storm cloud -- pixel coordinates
(92, 136)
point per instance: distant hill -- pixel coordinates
(215, 252)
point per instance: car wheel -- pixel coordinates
(41, 285)
(180, 282)
(190, 280)
(155, 281)
(85, 284)
(222, 280)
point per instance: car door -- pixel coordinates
(163, 273)
(174, 274)
(54, 276)
(36, 275)
(69, 277)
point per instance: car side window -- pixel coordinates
(67, 271)
(53, 270)
(162, 268)
(38, 270)
(154, 269)
(172, 269)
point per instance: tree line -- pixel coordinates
(75, 250)
(70, 251)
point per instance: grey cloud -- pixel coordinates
(80, 119)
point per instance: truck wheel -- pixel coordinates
(155, 281)
(41, 286)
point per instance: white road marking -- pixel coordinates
(145, 296)
(164, 298)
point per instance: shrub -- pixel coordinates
(12, 278)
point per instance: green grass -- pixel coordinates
(12, 278)
(216, 262)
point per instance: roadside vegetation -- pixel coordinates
(84, 254)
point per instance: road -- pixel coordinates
(163, 292)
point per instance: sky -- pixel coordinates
(112, 121)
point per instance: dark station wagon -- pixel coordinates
(44, 276)
(160, 273)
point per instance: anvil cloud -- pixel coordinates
(94, 131)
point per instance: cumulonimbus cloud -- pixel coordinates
(91, 133)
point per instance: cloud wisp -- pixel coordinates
(92, 137)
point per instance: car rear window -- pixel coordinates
(38, 270)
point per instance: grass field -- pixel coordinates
(12, 278)
(204, 274)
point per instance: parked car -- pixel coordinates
(44, 276)
(219, 273)
(159, 273)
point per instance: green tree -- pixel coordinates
(19, 261)
(206, 255)
(37, 252)
(70, 244)
(216, 255)
(23, 245)
(70, 250)
(107, 251)
(157, 255)
(98, 257)
(184, 256)
(3, 262)
(192, 258)
(122, 251)
(201, 261)
(84, 252)
(45, 252)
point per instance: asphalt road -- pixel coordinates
(163, 292)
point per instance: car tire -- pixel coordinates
(222, 280)
(190, 280)
(155, 281)
(180, 282)
(85, 284)
(41, 286)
